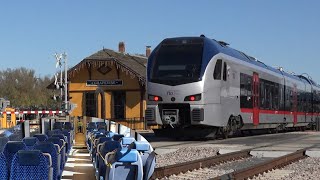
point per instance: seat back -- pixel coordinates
(126, 141)
(48, 147)
(11, 148)
(3, 166)
(30, 164)
(3, 142)
(148, 158)
(126, 164)
(62, 137)
(58, 125)
(41, 137)
(68, 126)
(68, 135)
(117, 137)
(91, 126)
(30, 142)
(59, 142)
(106, 147)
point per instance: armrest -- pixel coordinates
(49, 157)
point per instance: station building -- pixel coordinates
(110, 85)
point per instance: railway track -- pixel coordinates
(161, 172)
(195, 168)
(276, 163)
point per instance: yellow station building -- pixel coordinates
(110, 85)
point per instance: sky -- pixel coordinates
(282, 33)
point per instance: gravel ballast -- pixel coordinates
(185, 154)
(308, 168)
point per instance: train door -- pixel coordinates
(256, 98)
(295, 101)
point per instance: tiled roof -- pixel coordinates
(135, 64)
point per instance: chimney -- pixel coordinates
(122, 47)
(148, 51)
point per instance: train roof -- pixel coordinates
(222, 47)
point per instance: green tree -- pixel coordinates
(25, 90)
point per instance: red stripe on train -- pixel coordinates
(264, 111)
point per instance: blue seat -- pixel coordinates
(41, 137)
(30, 164)
(30, 142)
(3, 166)
(117, 137)
(148, 158)
(57, 141)
(48, 147)
(91, 126)
(125, 164)
(58, 125)
(68, 135)
(68, 126)
(97, 144)
(11, 148)
(106, 147)
(126, 141)
(62, 137)
(3, 142)
(110, 133)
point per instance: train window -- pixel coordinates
(225, 71)
(281, 101)
(217, 70)
(276, 96)
(262, 98)
(245, 91)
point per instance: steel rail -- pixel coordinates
(161, 172)
(264, 167)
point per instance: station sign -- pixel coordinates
(116, 82)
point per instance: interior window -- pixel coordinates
(217, 70)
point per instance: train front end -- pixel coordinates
(175, 84)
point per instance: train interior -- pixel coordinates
(60, 148)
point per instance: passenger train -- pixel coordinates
(198, 86)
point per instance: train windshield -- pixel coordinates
(177, 62)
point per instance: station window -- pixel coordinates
(217, 70)
(90, 102)
(119, 104)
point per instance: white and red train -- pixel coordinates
(200, 87)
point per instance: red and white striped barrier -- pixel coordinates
(31, 112)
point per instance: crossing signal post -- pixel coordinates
(62, 85)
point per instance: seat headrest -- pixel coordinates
(61, 136)
(3, 142)
(55, 140)
(30, 141)
(117, 137)
(96, 136)
(29, 158)
(109, 146)
(127, 140)
(104, 139)
(46, 147)
(41, 137)
(15, 146)
(127, 155)
(142, 146)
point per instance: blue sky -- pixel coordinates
(280, 33)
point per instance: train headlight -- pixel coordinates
(154, 98)
(196, 97)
